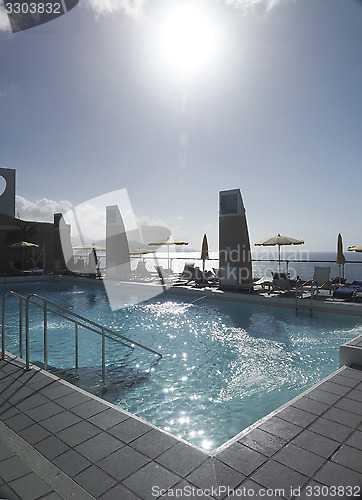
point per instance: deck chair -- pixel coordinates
(188, 273)
(141, 271)
(321, 279)
(281, 282)
(348, 292)
(319, 282)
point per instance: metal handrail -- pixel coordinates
(71, 316)
(21, 298)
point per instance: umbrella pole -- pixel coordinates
(279, 257)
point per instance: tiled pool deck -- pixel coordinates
(58, 441)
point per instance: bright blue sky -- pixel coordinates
(88, 105)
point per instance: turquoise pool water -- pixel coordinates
(224, 365)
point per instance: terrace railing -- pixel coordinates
(74, 318)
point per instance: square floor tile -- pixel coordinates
(278, 427)
(297, 416)
(262, 441)
(153, 443)
(182, 458)
(343, 380)
(334, 388)
(60, 421)
(274, 475)
(185, 490)
(95, 481)
(123, 462)
(19, 422)
(34, 433)
(30, 487)
(78, 433)
(214, 474)
(352, 373)
(51, 447)
(321, 445)
(56, 390)
(299, 459)
(129, 429)
(150, 480)
(13, 468)
(71, 463)
(108, 418)
(330, 429)
(32, 401)
(322, 396)
(73, 399)
(310, 405)
(241, 458)
(88, 409)
(349, 457)
(350, 405)
(119, 492)
(44, 411)
(355, 440)
(99, 446)
(342, 417)
(356, 395)
(333, 474)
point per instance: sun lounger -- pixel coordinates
(281, 282)
(319, 282)
(348, 292)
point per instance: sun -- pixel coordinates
(187, 39)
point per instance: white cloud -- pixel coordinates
(252, 5)
(133, 8)
(4, 20)
(41, 210)
(145, 220)
(11, 90)
(136, 8)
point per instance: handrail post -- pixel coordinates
(76, 345)
(20, 327)
(3, 329)
(45, 336)
(27, 334)
(103, 356)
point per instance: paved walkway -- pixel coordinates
(58, 441)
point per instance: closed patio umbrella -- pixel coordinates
(279, 240)
(168, 242)
(340, 257)
(204, 251)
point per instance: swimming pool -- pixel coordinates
(224, 365)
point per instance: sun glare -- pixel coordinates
(187, 40)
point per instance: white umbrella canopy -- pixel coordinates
(23, 244)
(355, 248)
(90, 247)
(279, 240)
(168, 242)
